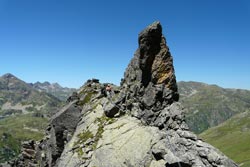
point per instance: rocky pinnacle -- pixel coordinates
(152, 62)
(150, 76)
(141, 124)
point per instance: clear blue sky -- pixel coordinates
(71, 41)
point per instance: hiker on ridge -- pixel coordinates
(108, 90)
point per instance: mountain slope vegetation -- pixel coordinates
(209, 105)
(24, 113)
(18, 128)
(232, 138)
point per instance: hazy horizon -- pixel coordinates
(117, 84)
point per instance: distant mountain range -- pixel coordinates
(54, 89)
(16, 96)
(24, 113)
(210, 105)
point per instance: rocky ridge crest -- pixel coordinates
(142, 124)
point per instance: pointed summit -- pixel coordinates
(11, 79)
(150, 76)
(8, 76)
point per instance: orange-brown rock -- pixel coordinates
(162, 67)
(151, 69)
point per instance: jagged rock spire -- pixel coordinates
(155, 59)
(150, 76)
(152, 61)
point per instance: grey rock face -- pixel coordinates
(61, 129)
(59, 132)
(27, 156)
(73, 97)
(125, 141)
(149, 79)
(110, 109)
(152, 61)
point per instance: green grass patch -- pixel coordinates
(15, 129)
(82, 138)
(86, 99)
(85, 135)
(102, 121)
(232, 138)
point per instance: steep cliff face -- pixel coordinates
(149, 80)
(140, 125)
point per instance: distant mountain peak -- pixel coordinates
(54, 89)
(9, 75)
(57, 85)
(46, 83)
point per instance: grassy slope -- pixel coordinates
(232, 138)
(210, 105)
(12, 132)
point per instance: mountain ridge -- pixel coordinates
(16, 91)
(140, 123)
(210, 105)
(54, 89)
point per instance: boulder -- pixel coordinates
(73, 97)
(110, 109)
